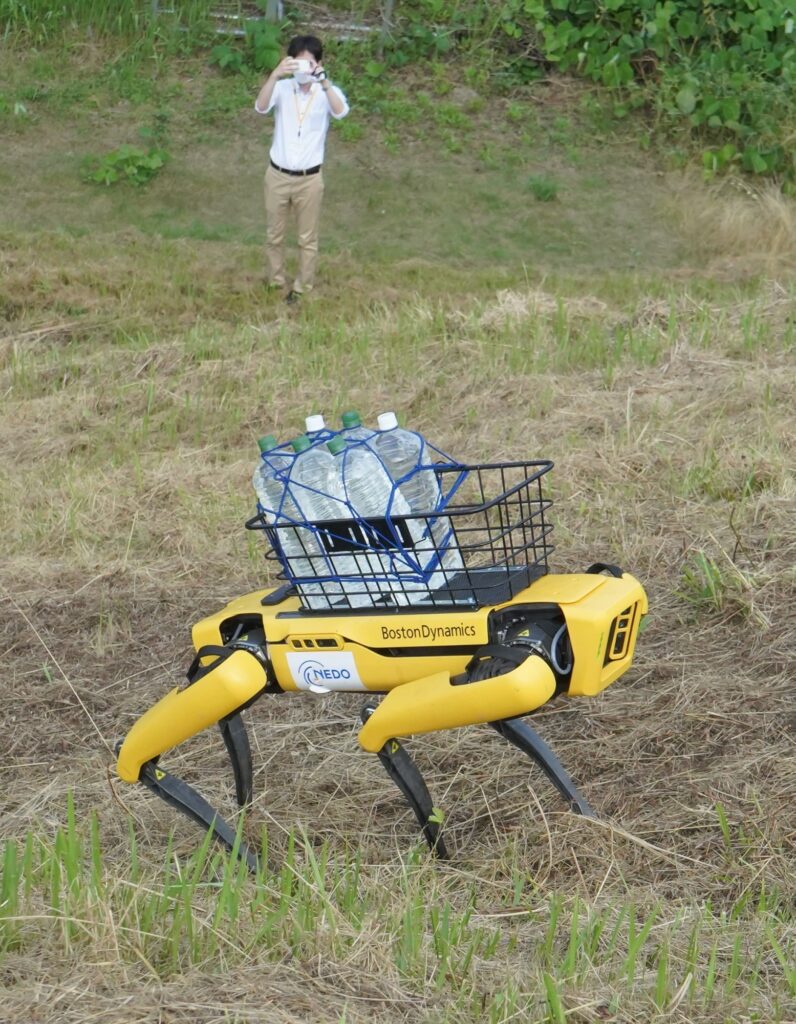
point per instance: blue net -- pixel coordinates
(484, 537)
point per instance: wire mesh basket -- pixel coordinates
(488, 538)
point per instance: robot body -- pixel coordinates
(439, 668)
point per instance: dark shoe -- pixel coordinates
(292, 297)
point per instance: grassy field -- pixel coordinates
(638, 329)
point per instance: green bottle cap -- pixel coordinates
(337, 444)
(351, 419)
(301, 443)
(268, 443)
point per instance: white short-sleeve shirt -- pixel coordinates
(301, 121)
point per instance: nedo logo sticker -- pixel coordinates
(320, 673)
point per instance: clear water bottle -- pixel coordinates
(372, 494)
(403, 452)
(315, 482)
(317, 488)
(353, 430)
(270, 484)
(369, 564)
(269, 488)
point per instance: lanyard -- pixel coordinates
(301, 115)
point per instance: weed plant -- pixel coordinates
(128, 163)
(543, 188)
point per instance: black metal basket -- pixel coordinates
(488, 540)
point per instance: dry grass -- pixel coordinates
(737, 225)
(514, 307)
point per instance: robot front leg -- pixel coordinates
(216, 693)
(185, 798)
(236, 740)
(437, 702)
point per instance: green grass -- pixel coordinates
(543, 188)
(385, 177)
(41, 22)
(425, 928)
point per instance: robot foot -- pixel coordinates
(518, 732)
(186, 799)
(236, 740)
(407, 777)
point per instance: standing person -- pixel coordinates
(302, 107)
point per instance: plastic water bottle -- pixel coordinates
(315, 482)
(367, 484)
(353, 430)
(369, 564)
(403, 452)
(270, 490)
(270, 484)
(372, 494)
(317, 489)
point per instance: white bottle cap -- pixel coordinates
(314, 423)
(387, 421)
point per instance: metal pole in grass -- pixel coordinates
(387, 10)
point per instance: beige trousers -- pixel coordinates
(304, 195)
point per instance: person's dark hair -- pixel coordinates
(298, 44)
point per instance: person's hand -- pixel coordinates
(319, 74)
(287, 66)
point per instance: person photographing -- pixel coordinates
(303, 100)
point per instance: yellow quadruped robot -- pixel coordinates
(450, 615)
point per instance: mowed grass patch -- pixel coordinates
(396, 187)
(380, 206)
(136, 386)
(164, 348)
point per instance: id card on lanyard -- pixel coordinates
(301, 114)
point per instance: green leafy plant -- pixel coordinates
(429, 29)
(261, 51)
(448, 115)
(128, 163)
(228, 58)
(704, 584)
(516, 112)
(725, 79)
(719, 77)
(263, 40)
(349, 130)
(710, 586)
